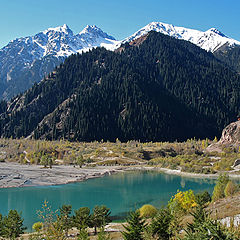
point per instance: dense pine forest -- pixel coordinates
(158, 89)
(230, 56)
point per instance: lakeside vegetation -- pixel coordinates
(187, 216)
(190, 156)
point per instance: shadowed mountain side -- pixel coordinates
(161, 89)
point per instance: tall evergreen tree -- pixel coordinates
(135, 227)
(12, 225)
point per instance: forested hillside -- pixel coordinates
(230, 56)
(159, 89)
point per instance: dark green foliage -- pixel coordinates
(205, 228)
(83, 234)
(163, 89)
(65, 219)
(203, 198)
(81, 218)
(135, 227)
(12, 225)
(230, 56)
(160, 226)
(199, 216)
(100, 217)
(102, 235)
(1, 224)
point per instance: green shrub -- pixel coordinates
(147, 211)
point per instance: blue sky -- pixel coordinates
(119, 18)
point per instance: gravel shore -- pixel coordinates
(18, 175)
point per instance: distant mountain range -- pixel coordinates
(211, 40)
(155, 88)
(27, 60)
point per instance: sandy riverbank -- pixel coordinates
(18, 175)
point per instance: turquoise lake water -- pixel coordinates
(121, 192)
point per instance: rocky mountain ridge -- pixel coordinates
(141, 92)
(210, 40)
(27, 60)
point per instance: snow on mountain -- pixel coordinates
(211, 40)
(26, 60)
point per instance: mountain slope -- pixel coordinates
(27, 60)
(159, 89)
(211, 40)
(230, 56)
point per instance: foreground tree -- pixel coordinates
(12, 225)
(65, 219)
(161, 224)
(81, 218)
(100, 217)
(205, 228)
(55, 232)
(135, 227)
(180, 205)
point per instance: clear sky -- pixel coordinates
(119, 18)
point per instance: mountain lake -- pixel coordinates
(121, 192)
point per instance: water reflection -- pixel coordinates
(121, 192)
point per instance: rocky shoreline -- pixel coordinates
(18, 175)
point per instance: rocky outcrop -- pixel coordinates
(230, 138)
(231, 134)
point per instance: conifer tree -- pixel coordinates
(135, 227)
(12, 225)
(65, 219)
(81, 218)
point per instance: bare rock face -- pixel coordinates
(230, 138)
(237, 163)
(231, 134)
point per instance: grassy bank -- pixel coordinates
(189, 156)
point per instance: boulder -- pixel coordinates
(236, 163)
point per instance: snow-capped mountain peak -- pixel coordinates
(31, 58)
(64, 28)
(28, 59)
(93, 30)
(90, 28)
(216, 31)
(210, 40)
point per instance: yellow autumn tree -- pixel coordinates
(182, 201)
